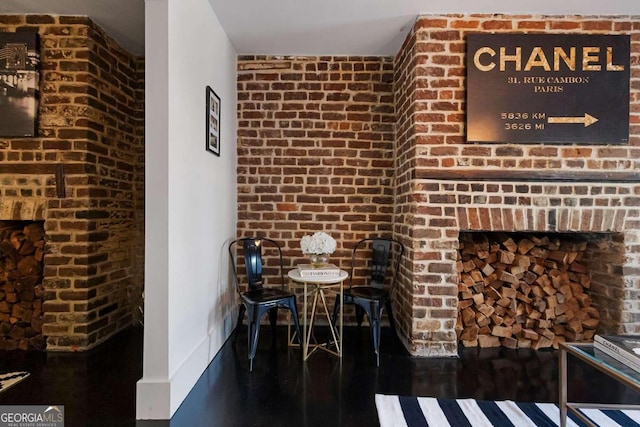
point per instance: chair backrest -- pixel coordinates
(383, 260)
(250, 250)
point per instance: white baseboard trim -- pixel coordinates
(159, 400)
(153, 400)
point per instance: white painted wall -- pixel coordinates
(191, 207)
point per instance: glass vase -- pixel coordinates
(318, 260)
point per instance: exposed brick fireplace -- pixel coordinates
(540, 207)
(447, 185)
(82, 178)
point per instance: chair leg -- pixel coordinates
(374, 318)
(273, 319)
(253, 333)
(392, 322)
(359, 315)
(241, 311)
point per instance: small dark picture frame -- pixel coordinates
(213, 122)
(19, 84)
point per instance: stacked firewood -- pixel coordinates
(524, 291)
(21, 289)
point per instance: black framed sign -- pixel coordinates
(19, 84)
(213, 122)
(548, 88)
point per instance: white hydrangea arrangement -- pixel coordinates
(319, 243)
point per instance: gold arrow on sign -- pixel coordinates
(588, 120)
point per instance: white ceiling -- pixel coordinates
(311, 27)
(366, 27)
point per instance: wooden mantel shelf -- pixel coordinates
(526, 175)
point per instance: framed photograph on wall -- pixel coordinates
(19, 83)
(213, 122)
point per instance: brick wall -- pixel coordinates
(508, 187)
(91, 129)
(315, 149)
(407, 217)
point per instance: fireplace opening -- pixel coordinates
(534, 290)
(22, 246)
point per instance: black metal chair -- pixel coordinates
(258, 299)
(381, 256)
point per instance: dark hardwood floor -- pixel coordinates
(98, 387)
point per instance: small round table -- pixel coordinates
(317, 286)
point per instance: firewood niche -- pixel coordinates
(522, 290)
(21, 289)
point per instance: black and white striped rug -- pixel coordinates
(11, 378)
(399, 411)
